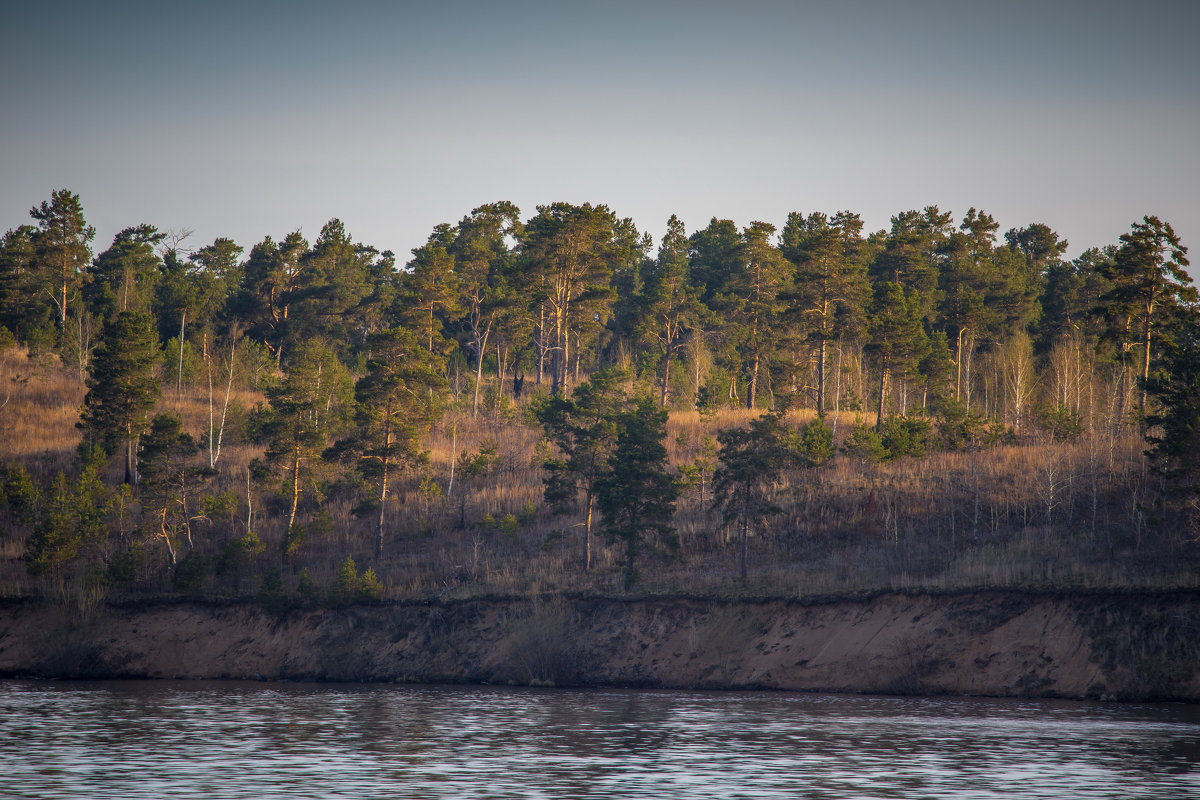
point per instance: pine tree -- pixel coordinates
(63, 246)
(897, 338)
(482, 257)
(637, 493)
(672, 304)
(1149, 278)
(757, 297)
(123, 386)
(123, 277)
(170, 482)
(568, 252)
(583, 429)
(752, 460)
(1174, 432)
(396, 404)
(306, 410)
(831, 289)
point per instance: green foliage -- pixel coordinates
(346, 582)
(957, 428)
(396, 403)
(752, 462)
(1062, 423)
(636, 493)
(479, 463)
(583, 430)
(270, 590)
(1174, 435)
(191, 572)
(904, 436)
(508, 525)
(123, 277)
(123, 386)
(20, 494)
(307, 409)
(125, 564)
(815, 443)
(865, 444)
(305, 586)
(71, 520)
(241, 554)
(369, 586)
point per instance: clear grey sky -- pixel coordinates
(248, 120)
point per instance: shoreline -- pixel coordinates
(1135, 645)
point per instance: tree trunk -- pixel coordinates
(752, 389)
(666, 376)
(1145, 361)
(587, 533)
(215, 453)
(295, 503)
(821, 378)
(381, 523)
(481, 345)
(179, 376)
(883, 381)
(745, 536)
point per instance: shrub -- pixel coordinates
(369, 585)
(904, 436)
(864, 444)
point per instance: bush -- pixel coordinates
(1063, 424)
(369, 585)
(191, 571)
(815, 443)
(864, 444)
(345, 582)
(904, 436)
(957, 428)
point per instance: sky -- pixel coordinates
(252, 119)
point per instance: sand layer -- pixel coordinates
(1128, 646)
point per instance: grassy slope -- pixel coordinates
(1033, 514)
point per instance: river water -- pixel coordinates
(213, 740)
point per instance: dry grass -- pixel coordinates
(1033, 514)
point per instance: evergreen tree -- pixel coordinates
(1174, 433)
(716, 256)
(123, 386)
(171, 480)
(752, 460)
(270, 283)
(568, 252)
(429, 291)
(63, 247)
(897, 339)
(637, 493)
(1149, 278)
(124, 276)
(583, 430)
(831, 280)
(672, 305)
(482, 256)
(757, 296)
(396, 404)
(25, 310)
(306, 410)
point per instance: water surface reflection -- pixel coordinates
(229, 740)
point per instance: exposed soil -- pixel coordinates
(1126, 646)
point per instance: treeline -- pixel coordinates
(940, 333)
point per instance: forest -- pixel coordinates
(556, 403)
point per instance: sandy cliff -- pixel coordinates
(1116, 645)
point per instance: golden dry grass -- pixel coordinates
(1034, 513)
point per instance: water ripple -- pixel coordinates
(135, 740)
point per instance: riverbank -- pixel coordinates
(1008, 643)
